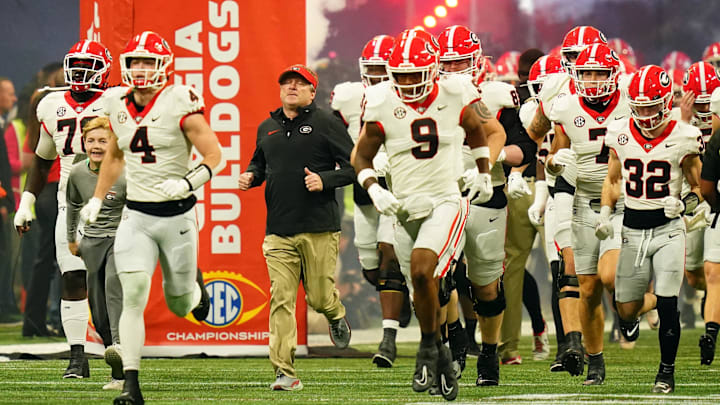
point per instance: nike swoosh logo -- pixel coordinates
(633, 330)
(272, 132)
(669, 145)
(96, 109)
(619, 118)
(184, 231)
(494, 219)
(440, 107)
(445, 389)
(153, 119)
(673, 235)
(424, 379)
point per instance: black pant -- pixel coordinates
(45, 266)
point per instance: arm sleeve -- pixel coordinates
(74, 205)
(516, 134)
(340, 147)
(710, 159)
(257, 163)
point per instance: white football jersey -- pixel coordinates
(527, 113)
(705, 128)
(61, 120)
(586, 129)
(153, 141)
(424, 144)
(346, 99)
(498, 95)
(555, 84)
(651, 168)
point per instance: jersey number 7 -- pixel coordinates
(71, 125)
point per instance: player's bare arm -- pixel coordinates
(483, 129)
(692, 166)
(367, 146)
(715, 123)
(539, 126)
(560, 141)
(203, 139)
(111, 168)
(612, 183)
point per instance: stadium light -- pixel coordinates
(429, 21)
(451, 3)
(441, 11)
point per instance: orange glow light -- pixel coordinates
(451, 3)
(429, 21)
(441, 11)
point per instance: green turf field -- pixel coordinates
(630, 374)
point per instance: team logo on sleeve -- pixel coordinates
(579, 121)
(399, 113)
(122, 117)
(305, 129)
(61, 111)
(623, 139)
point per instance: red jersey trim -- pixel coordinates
(428, 100)
(642, 141)
(134, 113)
(182, 120)
(606, 112)
(462, 112)
(74, 104)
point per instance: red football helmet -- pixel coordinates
(597, 57)
(87, 65)
(539, 71)
(413, 54)
(651, 96)
(676, 60)
(556, 51)
(486, 70)
(677, 76)
(146, 45)
(420, 32)
(623, 49)
(702, 80)
(458, 43)
(712, 55)
(576, 40)
(375, 53)
(506, 67)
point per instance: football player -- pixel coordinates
(373, 231)
(422, 122)
(580, 124)
(62, 115)
(650, 153)
(711, 55)
(155, 126)
(555, 85)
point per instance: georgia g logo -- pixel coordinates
(686, 78)
(664, 79)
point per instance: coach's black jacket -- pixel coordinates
(315, 139)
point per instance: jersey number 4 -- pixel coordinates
(140, 144)
(71, 125)
(654, 186)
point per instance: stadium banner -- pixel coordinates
(232, 52)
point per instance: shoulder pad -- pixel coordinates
(558, 106)
(375, 95)
(47, 106)
(454, 84)
(188, 98)
(676, 114)
(552, 86)
(499, 94)
(346, 92)
(527, 112)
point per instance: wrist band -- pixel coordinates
(366, 173)
(481, 152)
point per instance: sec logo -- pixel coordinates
(579, 121)
(225, 303)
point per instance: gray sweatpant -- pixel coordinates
(104, 289)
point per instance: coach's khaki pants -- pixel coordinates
(310, 257)
(518, 244)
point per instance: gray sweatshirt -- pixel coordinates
(80, 188)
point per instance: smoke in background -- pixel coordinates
(318, 25)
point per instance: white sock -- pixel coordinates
(390, 324)
(136, 291)
(75, 315)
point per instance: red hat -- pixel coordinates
(301, 70)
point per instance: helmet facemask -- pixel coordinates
(449, 59)
(154, 77)
(598, 88)
(656, 118)
(410, 93)
(703, 117)
(83, 71)
(370, 71)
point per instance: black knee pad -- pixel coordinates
(390, 278)
(371, 276)
(491, 308)
(565, 280)
(74, 284)
(462, 282)
(445, 289)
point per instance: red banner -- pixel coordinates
(232, 52)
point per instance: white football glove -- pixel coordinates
(701, 218)
(517, 186)
(174, 189)
(536, 212)
(481, 189)
(673, 207)
(383, 200)
(603, 225)
(563, 158)
(502, 156)
(24, 215)
(89, 213)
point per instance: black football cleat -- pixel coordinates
(385, 356)
(488, 368)
(425, 368)
(707, 349)
(201, 311)
(446, 378)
